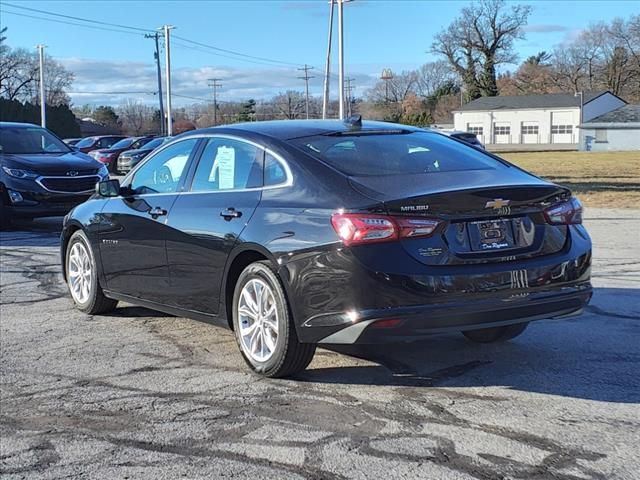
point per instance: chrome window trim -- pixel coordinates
(287, 183)
(66, 177)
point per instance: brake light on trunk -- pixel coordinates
(358, 229)
(568, 212)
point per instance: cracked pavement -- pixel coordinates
(137, 394)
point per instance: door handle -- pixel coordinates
(230, 213)
(156, 212)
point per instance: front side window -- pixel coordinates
(228, 164)
(30, 140)
(162, 172)
(395, 153)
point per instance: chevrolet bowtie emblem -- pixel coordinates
(497, 203)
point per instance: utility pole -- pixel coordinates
(327, 66)
(156, 55)
(213, 82)
(167, 65)
(387, 76)
(306, 78)
(43, 111)
(349, 88)
(341, 58)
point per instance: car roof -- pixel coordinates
(289, 129)
(18, 125)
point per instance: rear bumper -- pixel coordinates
(334, 291)
(422, 320)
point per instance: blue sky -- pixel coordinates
(395, 34)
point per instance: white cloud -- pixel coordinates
(237, 83)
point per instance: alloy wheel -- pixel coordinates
(258, 320)
(79, 273)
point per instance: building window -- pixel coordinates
(502, 130)
(601, 136)
(559, 129)
(475, 130)
(530, 129)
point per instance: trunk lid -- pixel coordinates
(489, 215)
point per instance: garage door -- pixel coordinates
(529, 132)
(561, 127)
(501, 133)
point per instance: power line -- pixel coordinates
(98, 22)
(92, 27)
(240, 54)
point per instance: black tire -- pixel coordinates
(495, 334)
(97, 302)
(290, 356)
(5, 219)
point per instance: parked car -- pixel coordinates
(466, 137)
(295, 233)
(71, 141)
(40, 175)
(109, 156)
(89, 144)
(130, 158)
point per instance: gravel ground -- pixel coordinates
(136, 394)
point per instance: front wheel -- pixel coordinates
(496, 334)
(263, 324)
(82, 277)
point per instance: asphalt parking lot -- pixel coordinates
(136, 394)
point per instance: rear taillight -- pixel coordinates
(358, 229)
(568, 212)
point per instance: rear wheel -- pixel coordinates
(495, 334)
(82, 277)
(263, 324)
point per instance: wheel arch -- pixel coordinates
(67, 232)
(240, 258)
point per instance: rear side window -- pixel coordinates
(274, 173)
(228, 164)
(396, 154)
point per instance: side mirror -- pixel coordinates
(108, 188)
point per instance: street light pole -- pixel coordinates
(327, 67)
(156, 56)
(43, 111)
(341, 58)
(167, 61)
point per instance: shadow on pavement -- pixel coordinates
(595, 356)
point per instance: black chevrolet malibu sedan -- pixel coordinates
(296, 233)
(40, 175)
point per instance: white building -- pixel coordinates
(616, 130)
(533, 121)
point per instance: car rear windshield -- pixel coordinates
(395, 153)
(30, 140)
(124, 143)
(86, 142)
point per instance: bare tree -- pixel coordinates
(479, 40)
(19, 75)
(136, 117)
(432, 76)
(289, 104)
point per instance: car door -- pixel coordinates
(223, 194)
(135, 231)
